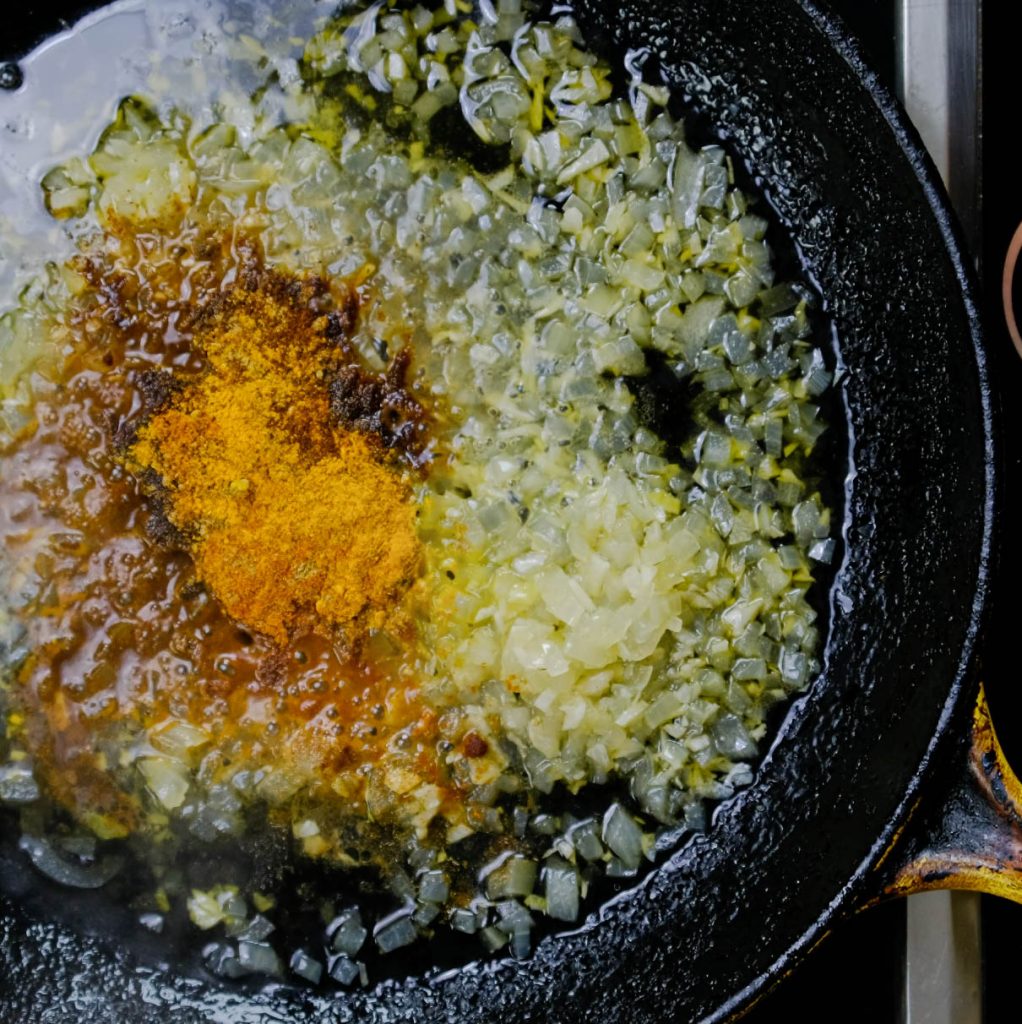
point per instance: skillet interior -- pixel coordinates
(708, 930)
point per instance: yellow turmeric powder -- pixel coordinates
(295, 522)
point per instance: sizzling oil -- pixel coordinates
(125, 637)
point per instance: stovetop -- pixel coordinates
(861, 967)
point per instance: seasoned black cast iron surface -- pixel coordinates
(700, 936)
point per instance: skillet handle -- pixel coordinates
(972, 840)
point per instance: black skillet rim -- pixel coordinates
(952, 724)
(950, 732)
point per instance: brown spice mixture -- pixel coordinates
(126, 638)
(295, 513)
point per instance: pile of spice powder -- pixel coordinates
(295, 522)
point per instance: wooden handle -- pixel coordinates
(1007, 280)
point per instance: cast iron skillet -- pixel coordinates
(851, 801)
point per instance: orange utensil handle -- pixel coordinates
(1007, 282)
